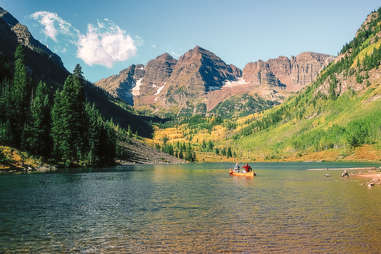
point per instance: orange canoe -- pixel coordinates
(232, 173)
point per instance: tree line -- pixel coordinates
(180, 150)
(60, 126)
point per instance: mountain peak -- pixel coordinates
(198, 48)
(165, 56)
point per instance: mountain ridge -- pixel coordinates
(336, 117)
(199, 81)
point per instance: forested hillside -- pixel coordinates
(59, 125)
(337, 117)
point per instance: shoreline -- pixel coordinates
(358, 172)
(340, 169)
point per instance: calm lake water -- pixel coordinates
(190, 208)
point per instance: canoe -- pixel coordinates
(249, 174)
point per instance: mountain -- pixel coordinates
(170, 84)
(120, 85)
(200, 81)
(336, 117)
(46, 65)
(43, 64)
(290, 74)
(196, 73)
(156, 73)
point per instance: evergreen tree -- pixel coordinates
(6, 133)
(78, 72)
(37, 139)
(77, 100)
(5, 100)
(210, 146)
(60, 129)
(94, 144)
(129, 131)
(69, 122)
(19, 95)
(229, 153)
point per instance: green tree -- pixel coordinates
(37, 138)
(20, 93)
(129, 131)
(94, 135)
(357, 132)
(69, 122)
(60, 129)
(6, 133)
(229, 153)
(210, 146)
(78, 73)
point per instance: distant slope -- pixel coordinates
(337, 117)
(334, 118)
(43, 64)
(199, 81)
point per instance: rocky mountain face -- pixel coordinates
(337, 118)
(197, 73)
(290, 74)
(200, 80)
(120, 85)
(273, 80)
(167, 82)
(43, 63)
(156, 73)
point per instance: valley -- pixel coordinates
(308, 107)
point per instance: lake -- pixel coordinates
(190, 208)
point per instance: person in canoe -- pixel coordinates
(245, 171)
(236, 167)
(247, 168)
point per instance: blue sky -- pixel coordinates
(108, 36)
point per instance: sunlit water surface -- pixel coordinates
(190, 208)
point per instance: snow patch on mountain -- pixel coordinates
(238, 82)
(136, 89)
(159, 89)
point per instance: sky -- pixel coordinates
(105, 37)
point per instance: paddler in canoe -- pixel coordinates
(246, 170)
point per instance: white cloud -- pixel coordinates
(53, 24)
(105, 44)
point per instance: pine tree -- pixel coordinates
(129, 131)
(94, 142)
(60, 129)
(229, 153)
(76, 95)
(37, 139)
(6, 133)
(69, 119)
(5, 100)
(19, 95)
(78, 72)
